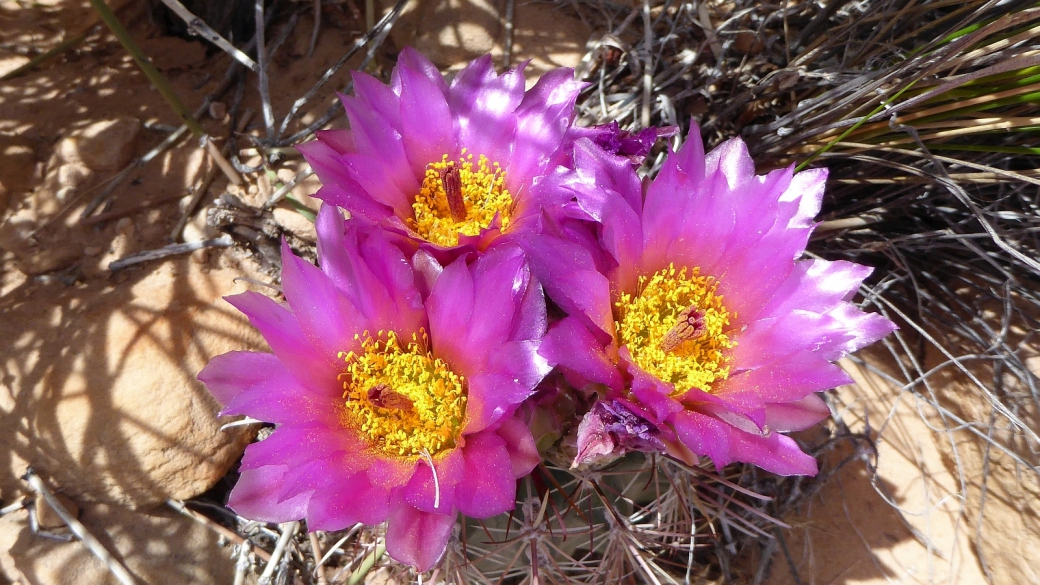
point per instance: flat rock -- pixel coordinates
(106, 145)
(9, 63)
(17, 162)
(296, 223)
(98, 391)
(156, 547)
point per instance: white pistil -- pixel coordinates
(436, 482)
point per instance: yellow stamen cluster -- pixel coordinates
(483, 192)
(405, 402)
(643, 321)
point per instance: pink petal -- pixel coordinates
(806, 192)
(342, 141)
(522, 450)
(543, 118)
(488, 485)
(426, 124)
(350, 196)
(422, 490)
(294, 444)
(255, 496)
(724, 444)
(413, 60)
(326, 317)
(451, 303)
(342, 504)
(390, 473)
(378, 97)
(797, 415)
(326, 162)
(791, 378)
(418, 538)
(228, 375)
(571, 279)
(373, 274)
(492, 395)
(650, 393)
(571, 346)
(498, 277)
(817, 286)
(387, 183)
(288, 341)
(483, 105)
(258, 385)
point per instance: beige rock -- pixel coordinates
(99, 391)
(295, 223)
(12, 62)
(103, 146)
(16, 230)
(50, 259)
(11, 278)
(17, 159)
(156, 547)
(197, 230)
(74, 175)
(453, 32)
(48, 518)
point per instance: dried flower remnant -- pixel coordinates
(612, 428)
(387, 411)
(688, 299)
(634, 146)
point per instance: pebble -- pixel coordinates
(102, 146)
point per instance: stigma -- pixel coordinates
(403, 401)
(675, 328)
(460, 197)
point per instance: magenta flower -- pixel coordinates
(449, 165)
(689, 302)
(393, 389)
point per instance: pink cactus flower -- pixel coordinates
(690, 301)
(393, 387)
(453, 166)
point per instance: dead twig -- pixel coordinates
(198, 27)
(115, 567)
(167, 251)
(288, 531)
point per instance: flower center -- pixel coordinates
(460, 197)
(674, 328)
(407, 403)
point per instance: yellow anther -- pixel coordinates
(675, 328)
(460, 198)
(402, 400)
